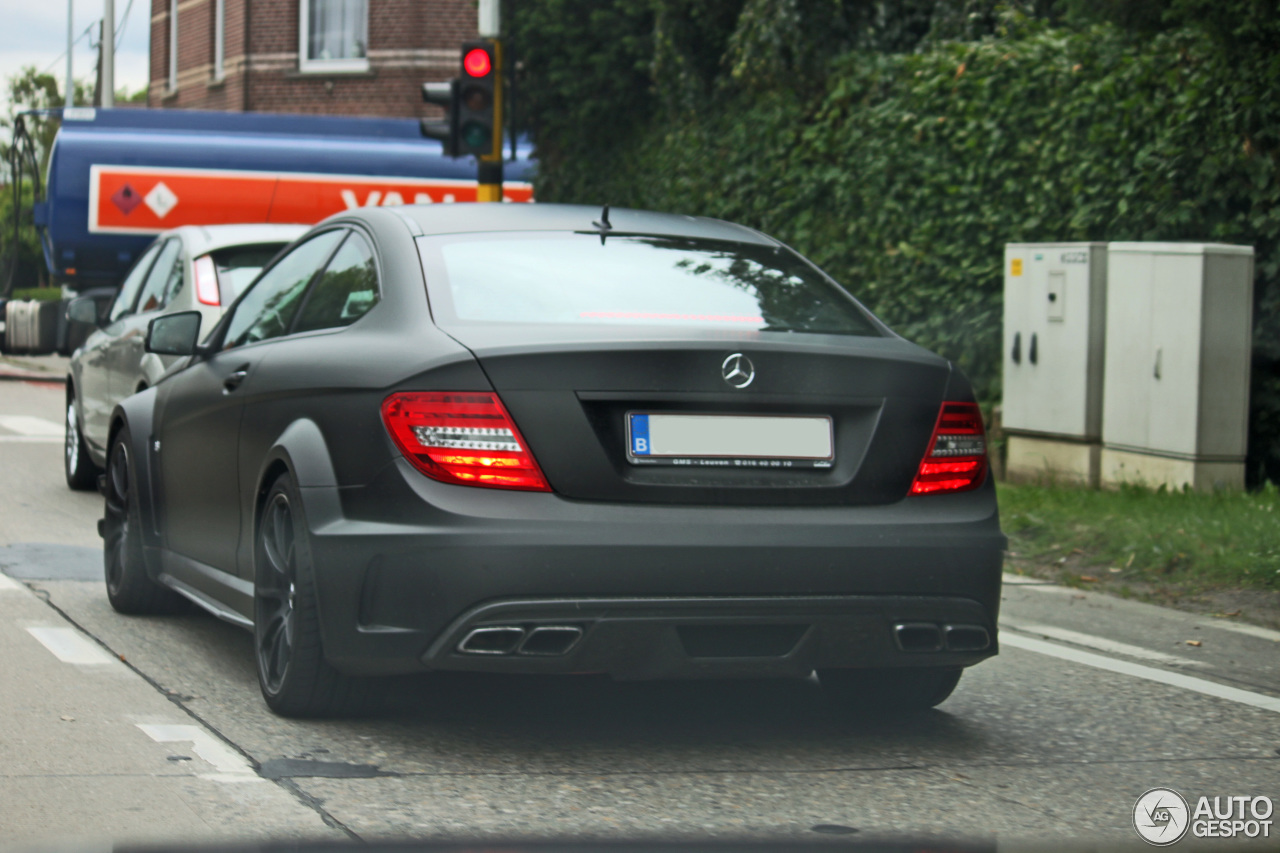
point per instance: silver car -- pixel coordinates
(193, 268)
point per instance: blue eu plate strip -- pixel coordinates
(639, 435)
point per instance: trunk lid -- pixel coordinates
(570, 389)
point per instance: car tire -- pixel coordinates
(295, 678)
(129, 589)
(81, 473)
(884, 692)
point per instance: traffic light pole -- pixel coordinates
(489, 166)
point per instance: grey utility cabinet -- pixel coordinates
(1054, 338)
(1178, 346)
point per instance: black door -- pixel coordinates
(200, 412)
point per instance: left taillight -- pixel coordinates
(956, 460)
(463, 438)
(207, 281)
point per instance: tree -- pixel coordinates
(21, 261)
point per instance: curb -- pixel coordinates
(32, 376)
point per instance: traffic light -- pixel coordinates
(446, 129)
(479, 100)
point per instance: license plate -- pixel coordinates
(730, 441)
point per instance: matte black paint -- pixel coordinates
(402, 561)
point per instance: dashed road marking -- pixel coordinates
(231, 765)
(28, 426)
(1136, 670)
(70, 646)
(8, 584)
(1102, 644)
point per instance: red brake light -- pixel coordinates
(956, 460)
(477, 62)
(207, 281)
(463, 438)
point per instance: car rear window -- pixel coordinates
(631, 279)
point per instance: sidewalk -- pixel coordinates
(37, 368)
(90, 752)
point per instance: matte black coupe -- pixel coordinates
(555, 439)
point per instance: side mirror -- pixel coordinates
(83, 309)
(174, 334)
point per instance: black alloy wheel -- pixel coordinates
(295, 678)
(81, 473)
(129, 589)
(888, 692)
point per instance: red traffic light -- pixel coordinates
(477, 62)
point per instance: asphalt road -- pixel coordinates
(153, 729)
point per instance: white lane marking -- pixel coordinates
(27, 425)
(231, 765)
(31, 439)
(70, 646)
(1243, 628)
(1137, 670)
(8, 584)
(1100, 643)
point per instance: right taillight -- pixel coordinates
(463, 438)
(956, 460)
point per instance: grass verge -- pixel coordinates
(1137, 541)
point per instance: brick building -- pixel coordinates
(334, 57)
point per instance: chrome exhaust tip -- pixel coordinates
(918, 637)
(550, 640)
(966, 638)
(492, 640)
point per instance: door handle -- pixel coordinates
(1016, 354)
(1031, 350)
(233, 380)
(1159, 353)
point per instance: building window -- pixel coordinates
(333, 35)
(219, 38)
(173, 45)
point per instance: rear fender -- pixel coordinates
(302, 451)
(138, 413)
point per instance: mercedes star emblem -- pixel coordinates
(738, 370)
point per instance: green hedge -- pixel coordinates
(905, 175)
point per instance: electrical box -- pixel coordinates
(1054, 339)
(1179, 344)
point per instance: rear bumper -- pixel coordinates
(656, 591)
(709, 637)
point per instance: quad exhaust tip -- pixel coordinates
(928, 637)
(550, 640)
(918, 636)
(966, 638)
(494, 640)
(542, 640)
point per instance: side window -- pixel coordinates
(268, 308)
(131, 284)
(345, 291)
(153, 291)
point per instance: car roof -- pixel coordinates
(462, 218)
(208, 238)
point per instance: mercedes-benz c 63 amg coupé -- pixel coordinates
(556, 439)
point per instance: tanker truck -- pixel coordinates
(118, 177)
